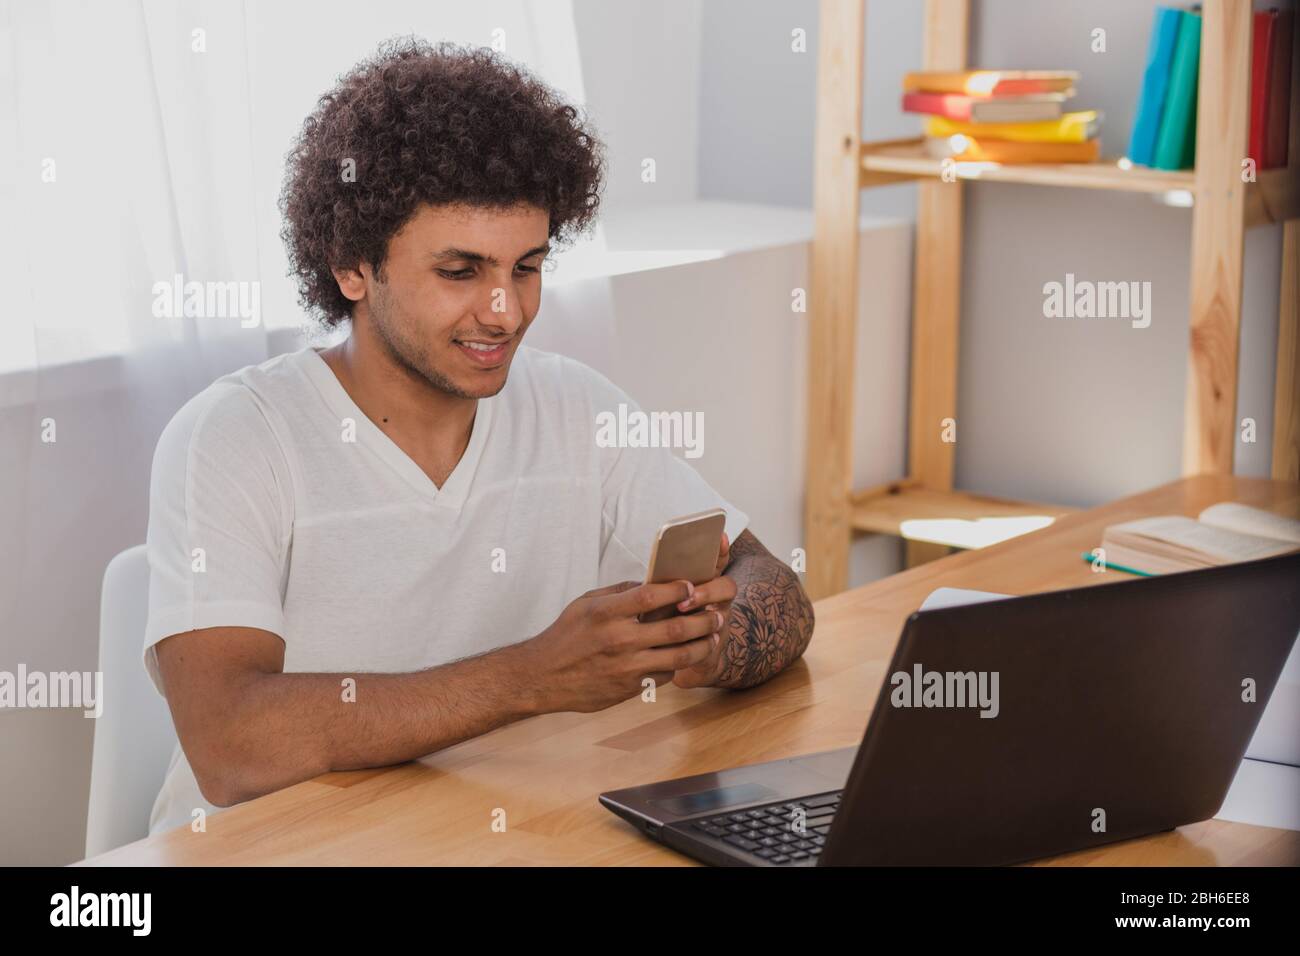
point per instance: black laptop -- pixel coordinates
(1014, 729)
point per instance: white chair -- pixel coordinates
(134, 736)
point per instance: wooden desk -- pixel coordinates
(546, 772)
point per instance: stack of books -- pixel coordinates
(1164, 130)
(1003, 116)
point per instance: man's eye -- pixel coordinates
(466, 273)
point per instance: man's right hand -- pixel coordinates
(597, 653)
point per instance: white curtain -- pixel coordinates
(142, 141)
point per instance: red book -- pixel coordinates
(1260, 84)
(1279, 97)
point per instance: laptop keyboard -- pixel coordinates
(775, 833)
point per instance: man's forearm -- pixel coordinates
(771, 619)
(288, 728)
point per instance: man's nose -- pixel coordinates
(504, 312)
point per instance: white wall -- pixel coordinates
(640, 64)
(758, 98)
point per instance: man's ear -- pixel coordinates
(351, 283)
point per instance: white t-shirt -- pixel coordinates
(348, 552)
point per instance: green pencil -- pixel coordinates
(1119, 567)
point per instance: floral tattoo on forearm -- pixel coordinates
(771, 620)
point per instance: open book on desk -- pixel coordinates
(1221, 534)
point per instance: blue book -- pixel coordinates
(1155, 84)
(1176, 141)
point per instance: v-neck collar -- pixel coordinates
(454, 490)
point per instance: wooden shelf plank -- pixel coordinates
(958, 519)
(908, 158)
(1274, 197)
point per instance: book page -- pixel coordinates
(1219, 543)
(1247, 520)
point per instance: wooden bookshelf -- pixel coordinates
(1222, 207)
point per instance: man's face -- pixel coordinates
(460, 287)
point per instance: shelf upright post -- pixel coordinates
(1218, 226)
(1286, 401)
(833, 296)
(936, 291)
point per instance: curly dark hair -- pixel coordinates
(438, 124)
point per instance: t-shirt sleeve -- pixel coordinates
(218, 529)
(642, 487)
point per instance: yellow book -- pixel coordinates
(1068, 128)
(964, 149)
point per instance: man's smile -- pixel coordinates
(484, 353)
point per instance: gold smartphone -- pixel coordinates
(686, 549)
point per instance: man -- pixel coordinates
(369, 553)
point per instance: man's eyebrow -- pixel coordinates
(452, 253)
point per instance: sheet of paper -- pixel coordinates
(953, 597)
